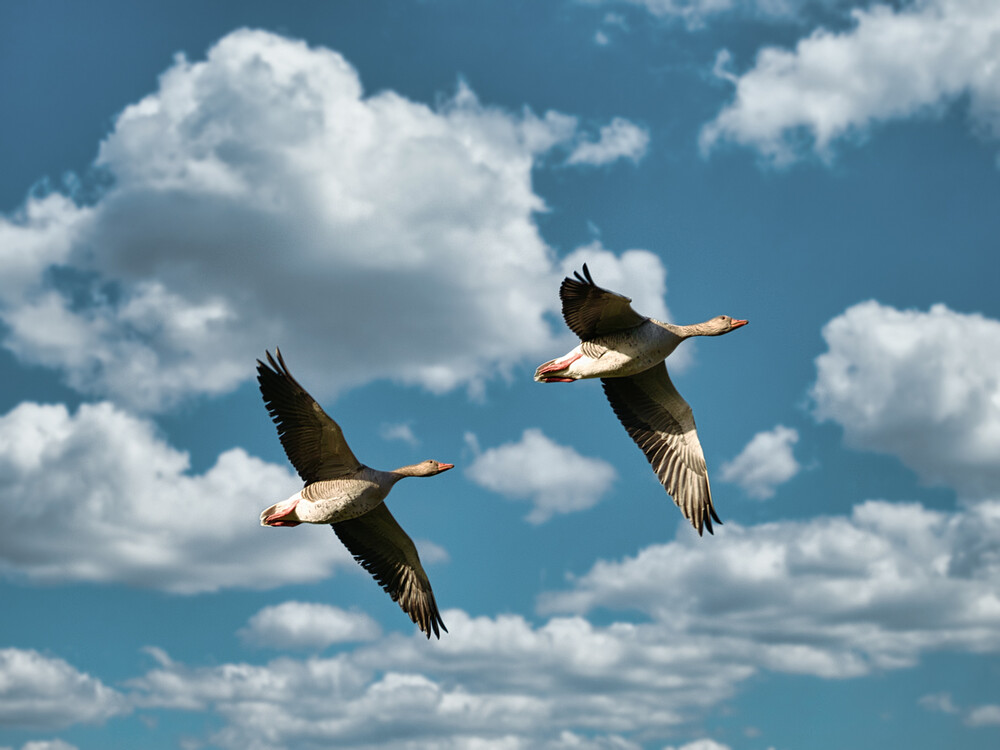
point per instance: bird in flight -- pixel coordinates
(343, 492)
(627, 351)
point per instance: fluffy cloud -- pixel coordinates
(38, 691)
(98, 496)
(893, 63)
(259, 198)
(766, 462)
(832, 597)
(619, 140)
(554, 478)
(305, 625)
(923, 386)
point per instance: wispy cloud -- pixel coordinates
(620, 139)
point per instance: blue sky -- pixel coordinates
(391, 192)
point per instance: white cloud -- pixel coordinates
(48, 745)
(401, 431)
(940, 702)
(923, 386)
(293, 625)
(831, 597)
(892, 64)
(766, 462)
(98, 496)
(554, 478)
(259, 199)
(702, 744)
(696, 13)
(983, 716)
(41, 692)
(620, 139)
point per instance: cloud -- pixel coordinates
(99, 496)
(697, 13)
(892, 64)
(257, 198)
(554, 478)
(41, 692)
(984, 716)
(766, 462)
(922, 386)
(620, 139)
(401, 431)
(832, 597)
(48, 745)
(940, 702)
(293, 625)
(702, 744)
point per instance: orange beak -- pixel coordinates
(738, 323)
(445, 467)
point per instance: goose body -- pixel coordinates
(341, 491)
(627, 351)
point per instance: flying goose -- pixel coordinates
(343, 492)
(626, 351)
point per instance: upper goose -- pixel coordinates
(627, 351)
(346, 494)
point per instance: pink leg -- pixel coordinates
(557, 366)
(275, 518)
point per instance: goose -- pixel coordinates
(343, 492)
(627, 351)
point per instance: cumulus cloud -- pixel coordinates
(832, 597)
(767, 461)
(259, 197)
(620, 139)
(911, 60)
(99, 496)
(293, 625)
(42, 692)
(554, 478)
(922, 386)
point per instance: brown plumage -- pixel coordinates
(626, 351)
(343, 492)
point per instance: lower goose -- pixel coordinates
(626, 351)
(346, 494)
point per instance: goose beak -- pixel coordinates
(738, 323)
(445, 467)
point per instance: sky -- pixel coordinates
(391, 192)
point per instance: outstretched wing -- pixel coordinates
(313, 442)
(659, 420)
(379, 543)
(591, 311)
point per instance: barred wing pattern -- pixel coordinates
(659, 420)
(379, 543)
(313, 442)
(591, 311)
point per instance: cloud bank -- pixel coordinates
(258, 198)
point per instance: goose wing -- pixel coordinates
(591, 311)
(313, 442)
(379, 543)
(660, 421)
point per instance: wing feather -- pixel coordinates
(591, 311)
(660, 422)
(382, 548)
(313, 442)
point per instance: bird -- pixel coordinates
(627, 351)
(343, 492)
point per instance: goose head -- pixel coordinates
(428, 468)
(719, 325)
